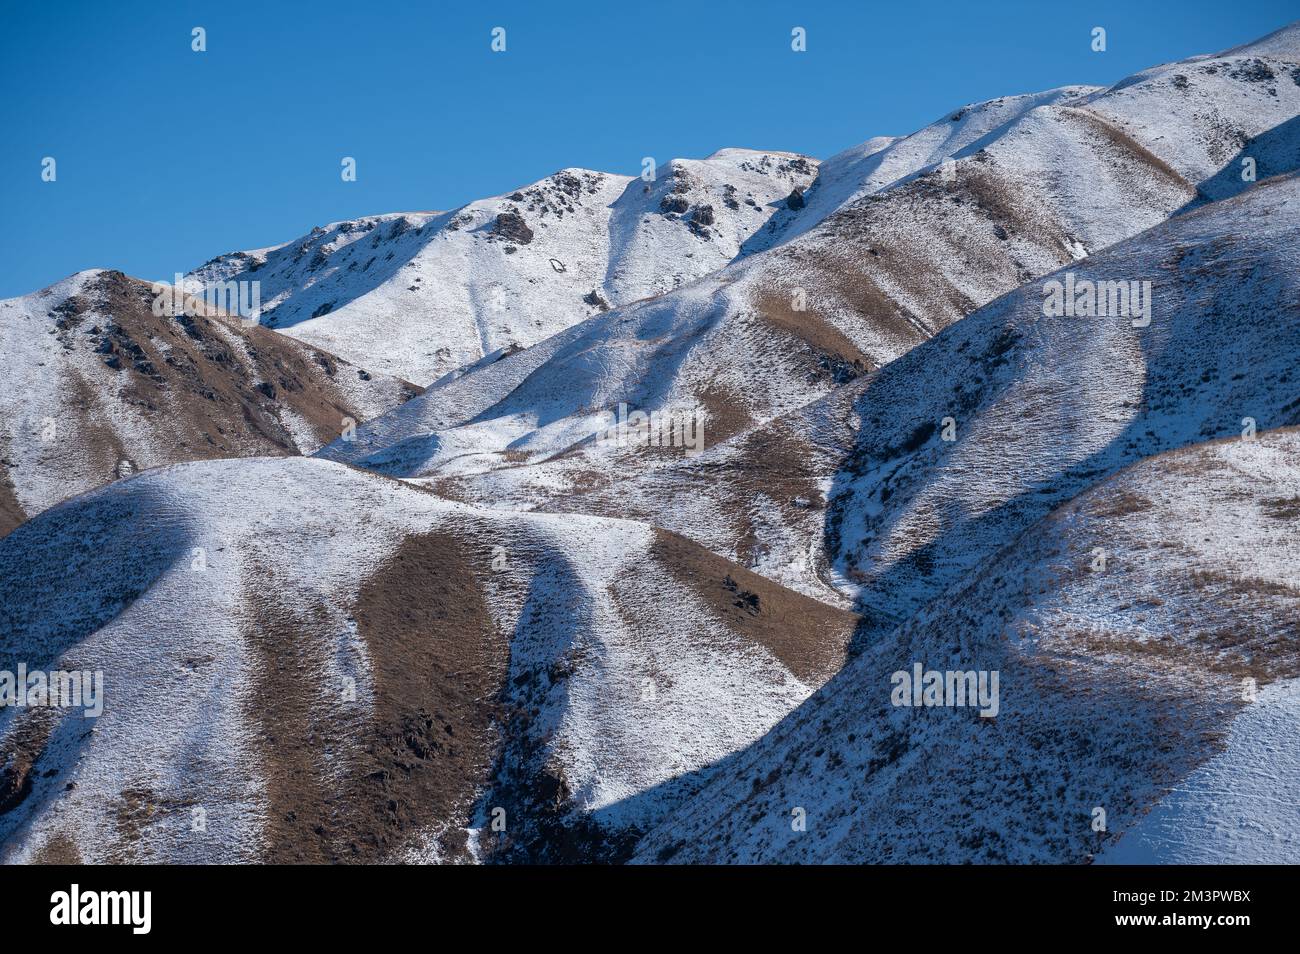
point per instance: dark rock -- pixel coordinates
(703, 215)
(674, 204)
(511, 226)
(568, 184)
(1253, 71)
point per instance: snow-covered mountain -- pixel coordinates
(325, 664)
(1037, 183)
(1039, 408)
(758, 499)
(1014, 395)
(419, 295)
(1131, 616)
(1116, 682)
(96, 385)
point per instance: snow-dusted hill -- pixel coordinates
(1129, 624)
(419, 295)
(874, 165)
(96, 385)
(1033, 401)
(323, 664)
(1037, 183)
(1038, 408)
(1117, 679)
(885, 441)
(758, 499)
(1237, 808)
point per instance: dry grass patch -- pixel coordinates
(809, 637)
(418, 762)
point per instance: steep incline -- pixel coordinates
(1117, 679)
(1013, 396)
(96, 385)
(327, 665)
(1223, 324)
(421, 294)
(1050, 181)
(1041, 407)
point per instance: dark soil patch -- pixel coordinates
(437, 664)
(810, 638)
(212, 387)
(11, 511)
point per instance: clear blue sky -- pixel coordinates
(167, 157)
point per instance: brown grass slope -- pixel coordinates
(1117, 680)
(118, 388)
(351, 675)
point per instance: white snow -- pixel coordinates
(419, 295)
(1239, 807)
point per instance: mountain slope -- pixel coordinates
(1238, 807)
(908, 427)
(761, 497)
(1124, 623)
(96, 386)
(419, 295)
(1040, 408)
(862, 170)
(1116, 681)
(344, 667)
(758, 498)
(1049, 182)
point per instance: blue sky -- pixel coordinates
(167, 157)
